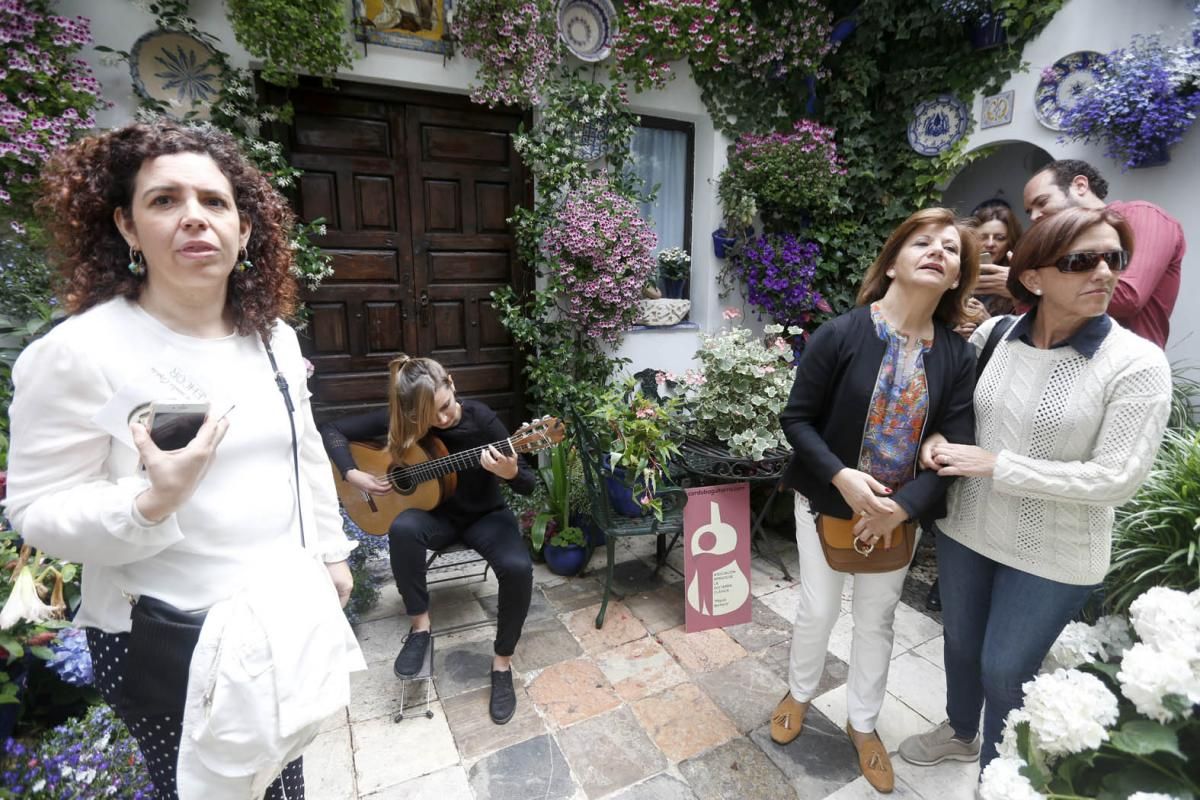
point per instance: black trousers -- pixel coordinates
(495, 536)
(158, 737)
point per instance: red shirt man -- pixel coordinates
(1146, 291)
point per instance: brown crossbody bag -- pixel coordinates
(846, 553)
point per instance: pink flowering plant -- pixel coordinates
(47, 97)
(785, 177)
(742, 385)
(601, 253)
(717, 36)
(516, 44)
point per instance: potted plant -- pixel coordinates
(985, 26)
(779, 272)
(638, 436)
(787, 177)
(563, 543)
(602, 253)
(674, 268)
(742, 385)
(1144, 101)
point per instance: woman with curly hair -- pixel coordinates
(175, 261)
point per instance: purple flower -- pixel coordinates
(779, 271)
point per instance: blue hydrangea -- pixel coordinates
(72, 660)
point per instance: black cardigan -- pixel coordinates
(827, 411)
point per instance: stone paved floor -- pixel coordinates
(639, 710)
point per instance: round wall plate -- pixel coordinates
(1062, 84)
(587, 28)
(937, 124)
(174, 68)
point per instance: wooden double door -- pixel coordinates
(415, 190)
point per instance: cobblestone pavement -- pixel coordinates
(639, 710)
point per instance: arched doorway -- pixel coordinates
(1002, 173)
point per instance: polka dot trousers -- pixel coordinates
(158, 736)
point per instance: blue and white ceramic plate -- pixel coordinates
(587, 28)
(174, 68)
(1062, 83)
(937, 124)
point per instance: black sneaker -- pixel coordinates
(412, 654)
(504, 699)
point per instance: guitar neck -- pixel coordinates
(455, 462)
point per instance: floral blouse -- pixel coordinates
(892, 436)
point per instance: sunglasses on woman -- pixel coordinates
(1117, 261)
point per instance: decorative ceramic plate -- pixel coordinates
(174, 68)
(587, 28)
(1062, 83)
(937, 124)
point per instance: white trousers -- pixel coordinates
(874, 600)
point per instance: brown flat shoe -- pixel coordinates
(787, 720)
(874, 762)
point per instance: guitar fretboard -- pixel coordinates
(455, 462)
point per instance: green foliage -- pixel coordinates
(1185, 398)
(1156, 535)
(901, 53)
(640, 437)
(293, 36)
(740, 389)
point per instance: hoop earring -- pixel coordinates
(244, 262)
(137, 262)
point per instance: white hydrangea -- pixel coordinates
(1078, 644)
(1069, 711)
(1168, 620)
(1148, 674)
(1115, 636)
(1008, 739)
(1151, 796)
(1002, 780)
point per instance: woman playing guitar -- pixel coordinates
(421, 400)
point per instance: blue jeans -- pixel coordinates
(999, 624)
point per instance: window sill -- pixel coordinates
(686, 325)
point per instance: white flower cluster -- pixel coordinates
(1080, 643)
(1167, 661)
(1150, 796)
(1068, 712)
(1002, 780)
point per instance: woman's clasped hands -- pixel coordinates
(877, 515)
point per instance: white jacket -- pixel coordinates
(273, 662)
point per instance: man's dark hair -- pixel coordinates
(1065, 170)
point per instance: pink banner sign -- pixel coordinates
(716, 556)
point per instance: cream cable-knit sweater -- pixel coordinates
(1074, 438)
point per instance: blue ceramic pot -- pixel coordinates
(620, 495)
(673, 287)
(594, 533)
(722, 241)
(567, 560)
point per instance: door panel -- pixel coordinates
(415, 190)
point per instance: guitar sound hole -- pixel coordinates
(401, 481)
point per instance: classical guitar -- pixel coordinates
(425, 476)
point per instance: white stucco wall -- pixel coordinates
(1105, 25)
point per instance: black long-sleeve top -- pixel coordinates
(827, 410)
(478, 490)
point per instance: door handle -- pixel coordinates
(423, 302)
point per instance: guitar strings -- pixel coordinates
(464, 459)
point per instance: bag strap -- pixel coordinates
(994, 336)
(282, 383)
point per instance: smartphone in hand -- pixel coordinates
(173, 425)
